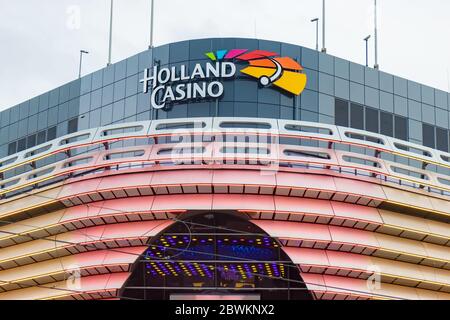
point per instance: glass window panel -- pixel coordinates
(12, 148)
(130, 106)
(415, 110)
(24, 110)
(268, 96)
(326, 83)
(372, 97)
(245, 90)
(32, 124)
(386, 82)
(200, 109)
(442, 118)
(41, 137)
(118, 111)
(356, 73)
(428, 136)
(94, 118)
(242, 109)
(310, 100)
(414, 91)
(356, 92)
(269, 111)
(356, 116)
(107, 95)
(21, 144)
(74, 107)
(401, 106)
(442, 139)
(86, 83)
(427, 95)
(14, 114)
(34, 106)
(51, 133)
(310, 59)
(52, 116)
(161, 55)
(31, 141)
(108, 75)
(179, 52)
(326, 63)
(63, 112)
(54, 97)
(145, 60)
(5, 117)
(106, 115)
(85, 103)
(371, 78)
(132, 84)
(415, 130)
(97, 80)
(313, 79)
(287, 113)
(401, 87)
(96, 99)
(64, 93)
(387, 101)
(72, 125)
(268, 45)
(401, 130)
(428, 114)
(309, 116)
(386, 124)
(341, 113)
(198, 48)
(226, 109)
(341, 68)
(132, 65)
(44, 101)
(75, 87)
(441, 99)
(372, 121)
(326, 105)
(119, 90)
(120, 70)
(42, 120)
(342, 88)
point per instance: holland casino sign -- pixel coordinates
(170, 85)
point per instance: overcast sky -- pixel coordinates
(40, 39)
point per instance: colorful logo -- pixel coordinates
(268, 67)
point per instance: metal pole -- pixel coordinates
(81, 62)
(324, 49)
(366, 39)
(377, 66)
(152, 15)
(110, 32)
(316, 20)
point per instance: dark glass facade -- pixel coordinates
(338, 92)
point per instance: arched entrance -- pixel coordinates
(214, 255)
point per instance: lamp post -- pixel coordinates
(81, 61)
(366, 39)
(377, 66)
(324, 48)
(152, 16)
(316, 20)
(110, 32)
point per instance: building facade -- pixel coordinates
(227, 168)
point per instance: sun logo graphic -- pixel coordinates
(268, 67)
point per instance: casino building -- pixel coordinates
(227, 169)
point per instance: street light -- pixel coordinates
(377, 66)
(110, 32)
(324, 48)
(152, 15)
(81, 61)
(316, 20)
(366, 39)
